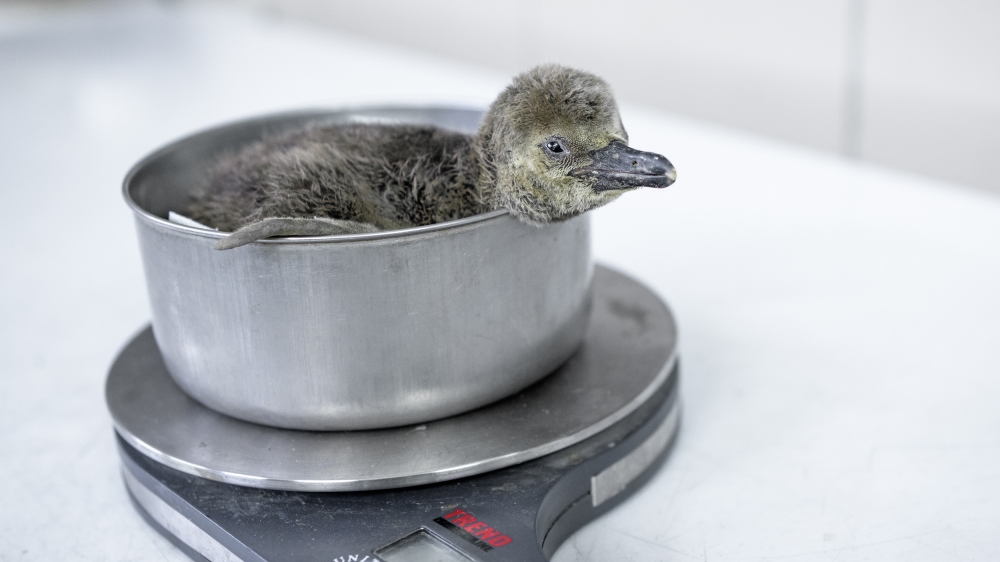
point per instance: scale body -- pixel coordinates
(510, 481)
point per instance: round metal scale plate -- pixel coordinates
(628, 354)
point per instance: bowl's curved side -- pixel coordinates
(357, 333)
(364, 335)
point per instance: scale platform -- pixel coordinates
(509, 481)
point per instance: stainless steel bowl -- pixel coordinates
(354, 331)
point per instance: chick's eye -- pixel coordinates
(554, 146)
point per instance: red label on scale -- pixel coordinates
(473, 530)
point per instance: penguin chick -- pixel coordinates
(550, 147)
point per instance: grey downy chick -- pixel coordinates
(552, 146)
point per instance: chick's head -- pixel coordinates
(557, 146)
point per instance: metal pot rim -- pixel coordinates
(381, 235)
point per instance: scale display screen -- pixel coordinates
(420, 546)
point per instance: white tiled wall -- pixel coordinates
(909, 83)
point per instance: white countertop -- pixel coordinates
(840, 323)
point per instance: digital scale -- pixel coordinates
(506, 482)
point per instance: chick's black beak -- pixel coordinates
(617, 166)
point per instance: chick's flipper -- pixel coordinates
(269, 228)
